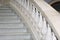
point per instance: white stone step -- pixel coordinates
(12, 30)
(11, 27)
(8, 17)
(5, 14)
(4, 8)
(18, 25)
(5, 11)
(10, 21)
(16, 37)
(14, 33)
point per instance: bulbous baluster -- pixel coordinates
(40, 25)
(30, 7)
(40, 21)
(44, 29)
(22, 2)
(27, 4)
(49, 34)
(36, 16)
(53, 36)
(33, 14)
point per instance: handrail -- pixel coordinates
(54, 1)
(43, 20)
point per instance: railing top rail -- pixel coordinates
(52, 16)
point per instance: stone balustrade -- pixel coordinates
(43, 20)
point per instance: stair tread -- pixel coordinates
(5, 11)
(16, 37)
(5, 37)
(2, 16)
(5, 14)
(18, 25)
(4, 8)
(14, 33)
(9, 30)
(10, 21)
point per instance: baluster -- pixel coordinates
(44, 29)
(53, 36)
(39, 14)
(40, 21)
(49, 34)
(30, 7)
(35, 12)
(20, 1)
(24, 3)
(27, 4)
(37, 17)
(16, 2)
(33, 8)
(39, 35)
(40, 25)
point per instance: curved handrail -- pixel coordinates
(54, 1)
